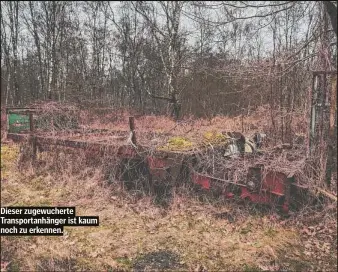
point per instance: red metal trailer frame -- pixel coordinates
(275, 187)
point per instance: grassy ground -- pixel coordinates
(135, 234)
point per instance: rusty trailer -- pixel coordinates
(259, 186)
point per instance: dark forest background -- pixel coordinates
(164, 57)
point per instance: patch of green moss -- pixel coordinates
(177, 143)
(214, 138)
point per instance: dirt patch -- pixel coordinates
(158, 260)
(63, 264)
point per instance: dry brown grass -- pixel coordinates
(213, 235)
(131, 227)
(257, 120)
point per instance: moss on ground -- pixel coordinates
(178, 144)
(214, 138)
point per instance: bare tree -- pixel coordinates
(145, 55)
(169, 44)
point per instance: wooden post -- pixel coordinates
(34, 147)
(132, 129)
(333, 106)
(331, 140)
(31, 125)
(7, 116)
(32, 143)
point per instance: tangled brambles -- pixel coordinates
(56, 116)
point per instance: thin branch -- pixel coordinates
(195, 18)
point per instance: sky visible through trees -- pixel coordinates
(188, 57)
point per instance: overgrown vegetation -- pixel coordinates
(192, 74)
(134, 233)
